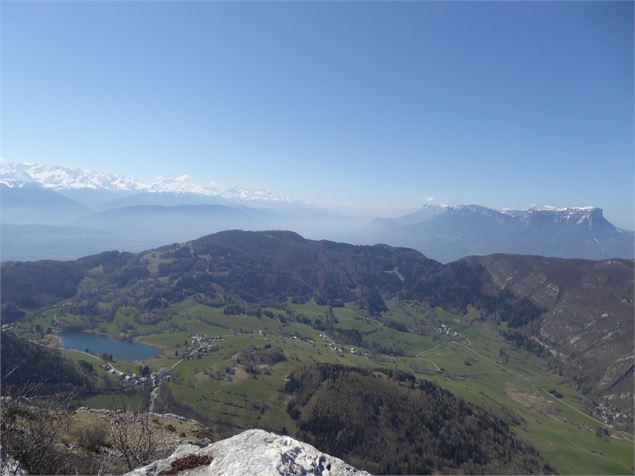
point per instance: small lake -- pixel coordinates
(120, 349)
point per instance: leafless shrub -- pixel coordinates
(93, 437)
(30, 426)
(132, 434)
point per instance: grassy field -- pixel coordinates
(464, 357)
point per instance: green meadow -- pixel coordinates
(469, 363)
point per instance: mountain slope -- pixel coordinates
(263, 265)
(30, 369)
(451, 232)
(586, 320)
(34, 204)
(400, 426)
(164, 199)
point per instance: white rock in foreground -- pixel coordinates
(255, 452)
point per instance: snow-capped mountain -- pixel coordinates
(449, 232)
(591, 216)
(572, 215)
(175, 209)
(55, 212)
(15, 175)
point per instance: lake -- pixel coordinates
(120, 349)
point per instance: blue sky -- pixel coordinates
(372, 106)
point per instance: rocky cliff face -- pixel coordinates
(586, 322)
(250, 452)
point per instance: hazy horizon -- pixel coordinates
(368, 108)
(348, 208)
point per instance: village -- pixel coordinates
(200, 346)
(197, 347)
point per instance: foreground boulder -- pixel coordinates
(250, 452)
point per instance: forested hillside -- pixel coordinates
(31, 369)
(393, 424)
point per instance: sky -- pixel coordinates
(376, 107)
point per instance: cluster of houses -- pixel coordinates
(200, 346)
(306, 340)
(447, 330)
(131, 378)
(361, 353)
(330, 343)
(608, 412)
(126, 377)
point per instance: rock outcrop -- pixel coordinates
(250, 452)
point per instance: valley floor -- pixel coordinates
(460, 353)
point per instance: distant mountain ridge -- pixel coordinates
(128, 214)
(448, 233)
(33, 204)
(14, 174)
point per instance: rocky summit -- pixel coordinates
(250, 452)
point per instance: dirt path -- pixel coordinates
(419, 354)
(153, 396)
(438, 369)
(398, 274)
(109, 364)
(175, 364)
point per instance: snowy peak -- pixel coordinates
(568, 215)
(543, 215)
(472, 209)
(184, 184)
(16, 175)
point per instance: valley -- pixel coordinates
(256, 331)
(317, 238)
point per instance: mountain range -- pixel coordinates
(451, 232)
(99, 211)
(15, 175)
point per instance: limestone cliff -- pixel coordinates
(248, 453)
